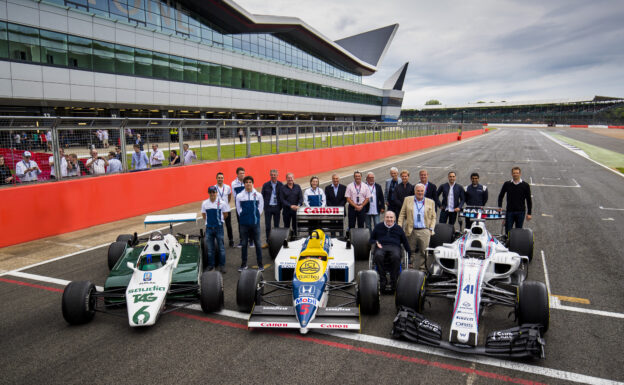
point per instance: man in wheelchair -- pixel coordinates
(387, 238)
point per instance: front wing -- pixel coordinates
(345, 318)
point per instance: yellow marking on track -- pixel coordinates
(572, 299)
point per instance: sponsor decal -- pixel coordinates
(309, 277)
(141, 316)
(306, 300)
(343, 309)
(503, 336)
(149, 297)
(334, 326)
(147, 289)
(147, 276)
(275, 308)
(462, 318)
(463, 335)
(306, 290)
(321, 210)
(428, 325)
(463, 324)
(274, 324)
(310, 267)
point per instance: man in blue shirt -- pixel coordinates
(139, 159)
(272, 207)
(214, 210)
(249, 206)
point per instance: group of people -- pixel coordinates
(409, 212)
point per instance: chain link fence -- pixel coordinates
(40, 149)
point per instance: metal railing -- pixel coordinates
(85, 146)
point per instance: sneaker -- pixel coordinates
(242, 267)
(265, 246)
(231, 243)
(210, 268)
(240, 244)
(251, 244)
(222, 269)
(260, 268)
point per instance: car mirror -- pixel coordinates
(293, 257)
(330, 257)
(130, 265)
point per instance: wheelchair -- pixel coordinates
(373, 266)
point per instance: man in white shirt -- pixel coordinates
(97, 164)
(238, 186)
(189, 155)
(114, 165)
(26, 169)
(105, 138)
(63, 165)
(358, 195)
(225, 194)
(157, 156)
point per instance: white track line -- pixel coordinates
(511, 365)
(610, 208)
(575, 152)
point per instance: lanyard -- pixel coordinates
(357, 190)
(221, 192)
(419, 209)
(316, 191)
(372, 190)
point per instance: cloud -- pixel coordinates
(461, 52)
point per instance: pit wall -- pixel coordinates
(36, 211)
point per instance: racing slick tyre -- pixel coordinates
(410, 290)
(276, 240)
(211, 291)
(115, 251)
(248, 292)
(124, 238)
(443, 233)
(368, 292)
(521, 242)
(78, 302)
(204, 252)
(532, 307)
(359, 240)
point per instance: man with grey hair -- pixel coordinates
(335, 193)
(387, 238)
(391, 185)
(272, 207)
(418, 217)
(291, 198)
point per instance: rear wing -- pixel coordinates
(478, 212)
(170, 218)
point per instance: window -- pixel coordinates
(255, 81)
(237, 78)
(143, 62)
(270, 83)
(217, 75)
(4, 41)
(103, 56)
(246, 77)
(160, 65)
(262, 82)
(226, 76)
(203, 73)
(176, 68)
(24, 43)
(190, 70)
(79, 52)
(124, 60)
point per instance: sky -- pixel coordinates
(481, 50)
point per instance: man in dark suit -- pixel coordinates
(335, 193)
(375, 207)
(391, 184)
(272, 206)
(453, 197)
(430, 188)
(404, 189)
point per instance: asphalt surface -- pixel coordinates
(581, 244)
(591, 138)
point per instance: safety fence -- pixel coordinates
(40, 149)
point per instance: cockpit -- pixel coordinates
(149, 262)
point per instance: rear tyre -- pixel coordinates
(368, 292)
(359, 240)
(211, 295)
(115, 251)
(276, 239)
(78, 302)
(521, 242)
(532, 307)
(124, 238)
(410, 290)
(204, 252)
(248, 291)
(443, 233)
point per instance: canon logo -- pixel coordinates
(333, 326)
(274, 324)
(321, 210)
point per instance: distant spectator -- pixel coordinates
(74, 166)
(240, 134)
(249, 206)
(27, 170)
(5, 173)
(105, 138)
(259, 135)
(314, 196)
(157, 156)
(48, 137)
(173, 158)
(97, 164)
(139, 159)
(118, 154)
(64, 165)
(98, 134)
(189, 155)
(291, 198)
(114, 165)
(138, 141)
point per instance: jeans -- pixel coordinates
(371, 221)
(516, 217)
(215, 234)
(271, 212)
(250, 232)
(448, 217)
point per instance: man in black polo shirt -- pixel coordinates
(518, 191)
(402, 190)
(291, 198)
(388, 237)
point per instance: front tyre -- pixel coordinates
(277, 236)
(115, 252)
(521, 242)
(211, 291)
(78, 302)
(410, 290)
(248, 291)
(359, 240)
(533, 307)
(368, 292)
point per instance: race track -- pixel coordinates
(578, 221)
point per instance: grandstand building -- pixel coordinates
(185, 58)
(599, 110)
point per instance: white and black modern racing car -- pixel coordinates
(475, 269)
(147, 274)
(314, 286)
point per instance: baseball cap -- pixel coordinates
(212, 189)
(27, 153)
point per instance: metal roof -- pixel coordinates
(593, 99)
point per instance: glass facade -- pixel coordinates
(26, 44)
(173, 18)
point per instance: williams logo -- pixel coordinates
(147, 276)
(309, 267)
